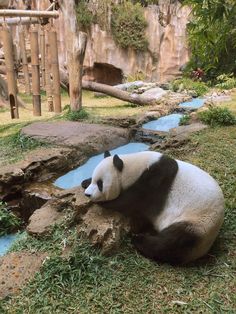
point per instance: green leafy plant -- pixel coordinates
(226, 81)
(8, 221)
(84, 15)
(128, 25)
(75, 115)
(199, 88)
(185, 120)
(212, 36)
(217, 116)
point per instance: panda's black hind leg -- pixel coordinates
(172, 245)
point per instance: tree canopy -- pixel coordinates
(212, 35)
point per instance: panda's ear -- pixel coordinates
(118, 163)
(107, 154)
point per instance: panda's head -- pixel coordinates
(105, 184)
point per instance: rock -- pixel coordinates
(35, 196)
(130, 85)
(16, 269)
(89, 138)
(44, 218)
(104, 228)
(178, 136)
(123, 122)
(186, 130)
(154, 93)
(55, 211)
(39, 165)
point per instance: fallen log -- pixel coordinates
(108, 90)
(117, 93)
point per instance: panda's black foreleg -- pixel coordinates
(172, 245)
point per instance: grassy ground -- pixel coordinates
(13, 147)
(86, 282)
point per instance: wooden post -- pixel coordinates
(48, 80)
(35, 71)
(42, 52)
(75, 45)
(24, 60)
(11, 75)
(52, 36)
(75, 67)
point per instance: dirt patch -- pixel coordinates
(16, 269)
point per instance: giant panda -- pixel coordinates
(175, 207)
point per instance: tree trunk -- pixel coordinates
(108, 90)
(117, 93)
(75, 44)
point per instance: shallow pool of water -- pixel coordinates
(6, 242)
(195, 103)
(76, 176)
(164, 123)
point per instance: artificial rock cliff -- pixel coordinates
(106, 62)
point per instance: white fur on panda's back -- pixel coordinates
(195, 196)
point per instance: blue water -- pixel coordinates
(76, 176)
(195, 103)
(6, 242)
(164, 123)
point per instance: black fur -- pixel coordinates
(86, 183)
(118, 163)
(100, 185)
(172, 245)
(146, 198)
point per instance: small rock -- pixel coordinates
(104, 228)
(44, 218)
(154, 93)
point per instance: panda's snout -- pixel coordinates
(87, 194)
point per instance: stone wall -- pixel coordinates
(167, 52)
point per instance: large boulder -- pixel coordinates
(89, 138)
(103, 228)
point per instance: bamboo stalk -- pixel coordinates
(24, 60)
(11, 75)
(35, 72)
(52, 36)
(29, 13)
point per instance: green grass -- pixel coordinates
(13, 145)
(87, 282)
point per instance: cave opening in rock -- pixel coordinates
(104, 73)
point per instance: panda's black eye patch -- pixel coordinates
(100, 185)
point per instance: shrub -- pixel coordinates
(199, 88)
(75, 115)
(128, 26)
(84, 15)
(8, 221)
(226, 81)
(185, 120)
(217, 116)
